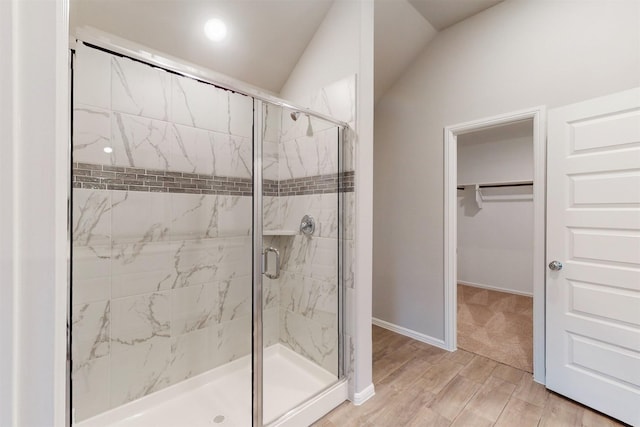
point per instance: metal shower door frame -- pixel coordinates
(257, 359)
(257, 309)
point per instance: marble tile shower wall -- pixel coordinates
(161, 281)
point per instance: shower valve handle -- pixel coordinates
(307, 225)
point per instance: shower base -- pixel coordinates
(222, 396)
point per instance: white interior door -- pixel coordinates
(593, 229)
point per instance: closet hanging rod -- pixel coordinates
(518, 184)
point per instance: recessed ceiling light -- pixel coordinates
(215, 29)
(107, 150)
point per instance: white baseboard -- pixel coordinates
(495, 288)
(410, 333)
(360, 397)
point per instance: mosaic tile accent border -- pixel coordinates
(106, 177)
(319, 184)
(270, 187)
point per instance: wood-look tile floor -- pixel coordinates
(421, 385)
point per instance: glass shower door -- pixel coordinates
(301, 282)
(161, 256)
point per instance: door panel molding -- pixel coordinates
(593, 228)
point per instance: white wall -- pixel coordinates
(6, 216)
(516, 55)
(34, 119)
(499, 154)
(495, 243)
(342, 46)
(332, 54)
(396, 46)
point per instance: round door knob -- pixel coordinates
(555, 265)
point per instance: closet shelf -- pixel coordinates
(280, 232)
(480, 198)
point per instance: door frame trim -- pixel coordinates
(538, 115)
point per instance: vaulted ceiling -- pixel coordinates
(445, 13)
(266, 38)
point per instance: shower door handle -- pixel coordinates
(266, 263)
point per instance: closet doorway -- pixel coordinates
(494, 243)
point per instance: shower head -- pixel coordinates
(309, 128)
(296, 114)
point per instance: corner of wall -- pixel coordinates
(35, 112)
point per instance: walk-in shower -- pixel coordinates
(197, 299)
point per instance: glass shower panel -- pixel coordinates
(162, 247)
(301, 284)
